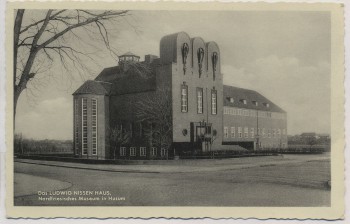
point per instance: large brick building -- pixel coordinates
(166, 105)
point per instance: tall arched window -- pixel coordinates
(214, 101)
(184, 98)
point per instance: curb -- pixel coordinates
(88, 168)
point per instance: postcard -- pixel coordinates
(175, 110)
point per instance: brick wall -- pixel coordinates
(267, 123)
(188, 74)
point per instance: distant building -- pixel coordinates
(308, 134)
(308, 138)
(205, 115)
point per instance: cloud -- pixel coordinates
(303, 91)
(51, 119)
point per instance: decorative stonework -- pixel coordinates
(200, 57)
(184, 50)
(214, 59)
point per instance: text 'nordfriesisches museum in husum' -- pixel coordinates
(172, 105)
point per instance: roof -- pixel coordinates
(109, 74)
(133, 84)
(94, 87)
(116, 81)
(115, 72)
(251, 96)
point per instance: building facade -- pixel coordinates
(166, 105)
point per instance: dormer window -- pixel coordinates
(230, 99)
(255, 103)
(266, 104)
(243, 101)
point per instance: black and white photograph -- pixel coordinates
(173, 108)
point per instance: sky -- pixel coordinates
(283, 55)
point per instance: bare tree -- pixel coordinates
(156, 110)
(43, 38)
(118, 137)
(310, 141)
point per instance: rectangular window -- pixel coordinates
(233, 134)
(153, 151)
(199, 100)
(279, 132)
(132, 151)
(163, 152)
(184, 98)
(269, 133)
(142, 151)
(94, 125)
(274, 133)
(239, 132)
(122, 151)
(84, 127)
(234, 111)
(252, 133)
(263, 132)
(226, 132)
(225, 110)
(76, 124)
(245, 132)
(213, 102)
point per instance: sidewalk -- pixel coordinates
(33, 183)
(188, 166)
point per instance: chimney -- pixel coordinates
(149, 58)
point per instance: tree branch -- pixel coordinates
(88, 21)
(40, 21)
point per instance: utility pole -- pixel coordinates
(257, 129)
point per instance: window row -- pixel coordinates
(253, 113)
(142, 151)
(244, 101)
(199, 100)
(245, 132)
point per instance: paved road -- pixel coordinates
(287, 184)
(185, 166)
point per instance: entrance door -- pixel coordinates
(203, 137)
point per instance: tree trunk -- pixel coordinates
(15, 100)
(16, 30)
